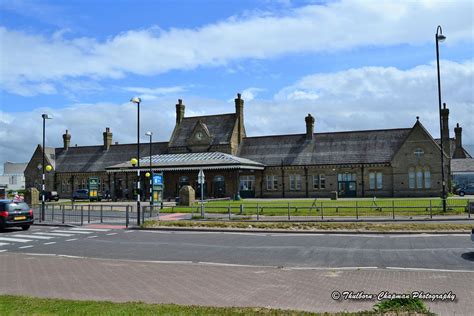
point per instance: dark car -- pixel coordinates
(83, 194)
(51, 196)
(15, 213)
(468, 189)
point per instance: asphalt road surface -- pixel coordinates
(423, 251)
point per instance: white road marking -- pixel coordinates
(54, 234)
(92, 236)
(427, 269)
(14, 239)
(111, 234)
(34, 236)
(25, 247)
(129, 231)
(71, 239)
(3, 243)
(4, 250)
(429, 235)
(71, 232)
(49, 243)
(91, 229)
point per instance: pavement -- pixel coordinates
(297, 271)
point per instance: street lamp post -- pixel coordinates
(137, 102)
(45, 117)
(150, 134)
(440, 38)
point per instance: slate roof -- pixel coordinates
(462, 165)
(220, 128)
(452, 143)
(354, 147)
(14, 167)
(186, 161)
(95, 158)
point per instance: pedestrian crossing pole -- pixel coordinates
(201, 180)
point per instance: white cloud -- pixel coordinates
(29, 58)
(355, 99)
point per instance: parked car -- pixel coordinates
(83, 194)
(468, 189)
(51, 196)
(15, 213)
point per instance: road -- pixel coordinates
(234, 269)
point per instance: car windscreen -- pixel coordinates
(17, 206)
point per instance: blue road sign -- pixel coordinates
(158, 179)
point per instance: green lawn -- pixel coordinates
(22, 305)
(343, 207)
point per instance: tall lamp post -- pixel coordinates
(137, 102)
(45, 117)
(150, 134)
(440, 38)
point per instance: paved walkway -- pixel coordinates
(222, 285)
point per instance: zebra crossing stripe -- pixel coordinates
(54, 234)
(3, 243)
(90, 229)
(14, 239)
(34, 236)
(70, 232)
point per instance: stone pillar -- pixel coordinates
(32, 196)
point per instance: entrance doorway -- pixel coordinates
(218, 186)
(347, 185)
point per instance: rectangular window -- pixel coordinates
(247, 183)
(295, 182)
(427, 179)
(322, 181)
(316, 182)
(372, 180)
(379, 180)
(272, 183)
(419, 179)
(411, 179)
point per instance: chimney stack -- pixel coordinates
(458, 151)
(309, 127)
(66, 140)
(239, 111)
(107, 138)
(179, 111)
(445, 130)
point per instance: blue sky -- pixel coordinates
(352, 64)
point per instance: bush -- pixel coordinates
(402, 305)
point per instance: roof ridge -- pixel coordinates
(113, 145)
(328, 133)
(224, 114)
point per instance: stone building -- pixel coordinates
(388, 162)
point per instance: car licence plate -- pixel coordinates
(19, 218)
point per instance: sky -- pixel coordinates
(354, 65)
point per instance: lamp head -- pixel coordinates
(135, 100)
(134, 161)
(149, 133)
(46, 116)
(441, 37)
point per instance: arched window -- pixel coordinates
(419, 178)
(427, 175)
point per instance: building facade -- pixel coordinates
(382, 163)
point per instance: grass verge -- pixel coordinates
(22, 305)
(370, 227)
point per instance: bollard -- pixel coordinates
(322, 211)
(62, 213)
(52, 213)
(228, 209)
(431, 211)
(89, 214)
(241, 209)
(82, 215)
(257, 213)
(357, 211)
(161, 205)
(101, 214)
(289, 218)
(126, 216)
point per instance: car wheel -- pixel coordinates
(25, 227)
(461, 193)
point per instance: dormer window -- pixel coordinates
(418, 153)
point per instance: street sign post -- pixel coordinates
(158, 187)
(93, 186)
(201, 181)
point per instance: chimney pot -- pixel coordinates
(309, 127)
(66, 140)
(107, 138)
(180, 107)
